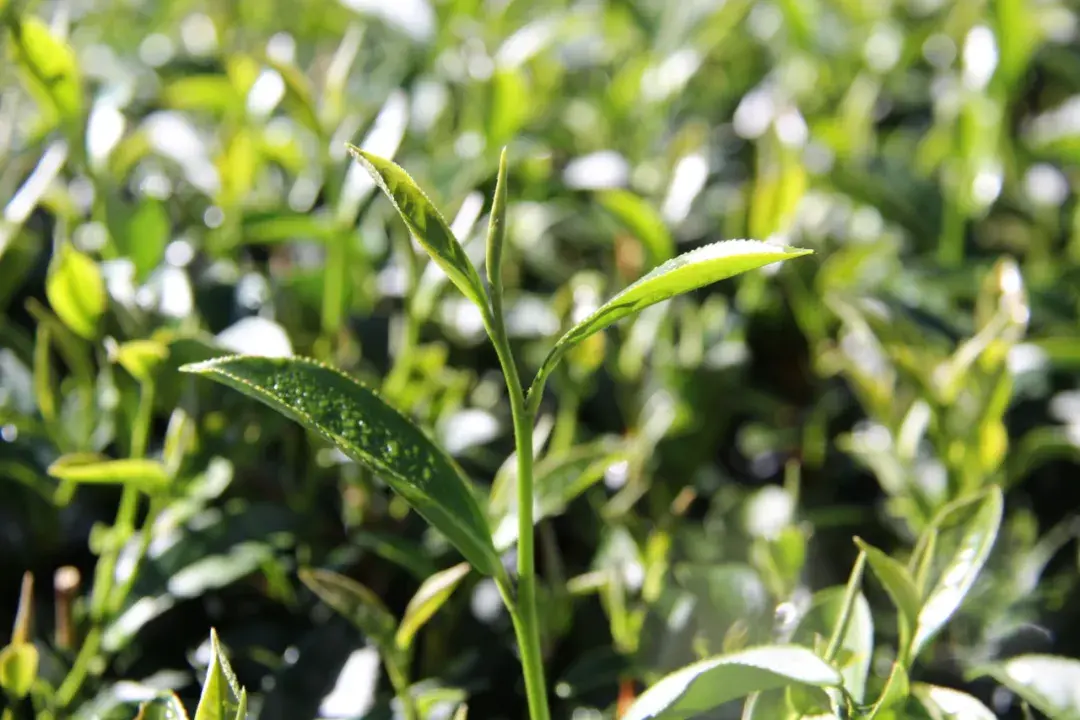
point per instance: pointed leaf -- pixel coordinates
(677, 276)
(497, 227)
(355, 603)
(899, 585)
(707, 684)
(76, 291)
(426, 224)
(364, 427)
(961, 571)
(241, 708)
(1051, 684)
(147, 475)
(220, 698)
(431, 596)
(948, 704)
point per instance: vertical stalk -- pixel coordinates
(526, 619)
(522, 607)
(102, 598)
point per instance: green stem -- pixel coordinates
(400, 680)
(102, 598)
(852, 592)
(526, 619)
(74, 680)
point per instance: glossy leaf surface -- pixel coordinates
(707, 684)
(1049, 683)
(367, 429)
(961, 570)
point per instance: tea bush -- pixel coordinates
(403, 360)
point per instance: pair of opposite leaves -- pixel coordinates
(363, 426)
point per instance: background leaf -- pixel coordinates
(76, 291)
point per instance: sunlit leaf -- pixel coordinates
(433, 593)
(141, 358)
(425, 223)
(76, 291)
(1051, 684)
(48, 67)
(679, 275)
(221, 693)
(948, 704)
(355, 603)
(81, 468)
(18, 668)
(707, 684)
(961, 570)
(364, 427)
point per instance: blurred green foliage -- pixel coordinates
(175, 187)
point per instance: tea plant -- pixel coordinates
(364, 427)
(836, 487)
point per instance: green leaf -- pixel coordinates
(364, 427)
(76, 291)
(48, 66)
(948, 704)
(707, 684)
(961, 570)
(425, 223)
(221, 696)
(146, 235)
(18, 668)
(857, 644)
(241, 707)
(141, 358)
(642, 220)
(899, 585)
(87, 468)
(677, 276)
(1048, 682)
(355, 603)
(431, 596)
(496, 237)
